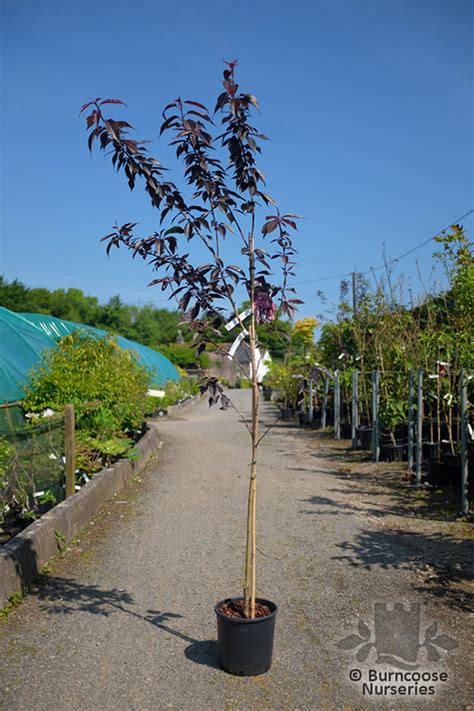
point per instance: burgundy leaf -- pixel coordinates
(112, 101)
(89, 103)
(270, 226)
(196, 103)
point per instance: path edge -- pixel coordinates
(22, 558)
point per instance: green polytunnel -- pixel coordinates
(25, 336)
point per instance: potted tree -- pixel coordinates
(227, 195)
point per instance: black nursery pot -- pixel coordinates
(302, 417)
(365, 437)
(431, 450)
(346, 430)
(246, 646)
(392, 452)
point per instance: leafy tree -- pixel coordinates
(226, 196)
(153, 327)
(145, 324)
(115, 316)
(72, 305)
(14, 295)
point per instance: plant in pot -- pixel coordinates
(226, 196)
(392, 414)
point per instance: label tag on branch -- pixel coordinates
(238, 319)
(237, 343)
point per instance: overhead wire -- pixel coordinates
(391, 261)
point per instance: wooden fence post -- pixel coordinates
(70, 449)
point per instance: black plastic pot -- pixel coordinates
(431, 450)
(365, 437)
(302, 417)
(267, 394)
(445, 472)
(447, 448)
(246, 646)
(390, 452)
(346, 430)
(286, 413)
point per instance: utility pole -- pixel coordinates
(354, 294)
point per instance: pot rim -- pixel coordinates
(244, 620)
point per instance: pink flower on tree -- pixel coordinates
(265, 309)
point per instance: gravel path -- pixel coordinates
(125, 621)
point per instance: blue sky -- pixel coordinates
(369, 107)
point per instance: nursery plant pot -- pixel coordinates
(302, 417)
(245, 646)
(447, 448)
(390, 452)
(431, 450)
(346, 430)
(267, 394)
(445, 472)
(286, 413)
(365, 437)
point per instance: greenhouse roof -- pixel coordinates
(25, 336)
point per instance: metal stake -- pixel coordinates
(419, 427)
(464, 462)
(337, 406)
(310, 401)
(375, 416)
(325, 402)
(411, 382)
(355, 408)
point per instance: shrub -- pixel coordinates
(105, 384)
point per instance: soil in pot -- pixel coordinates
(235, 609)
(245, 646)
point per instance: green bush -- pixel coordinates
(108, 389)
(105, 384)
